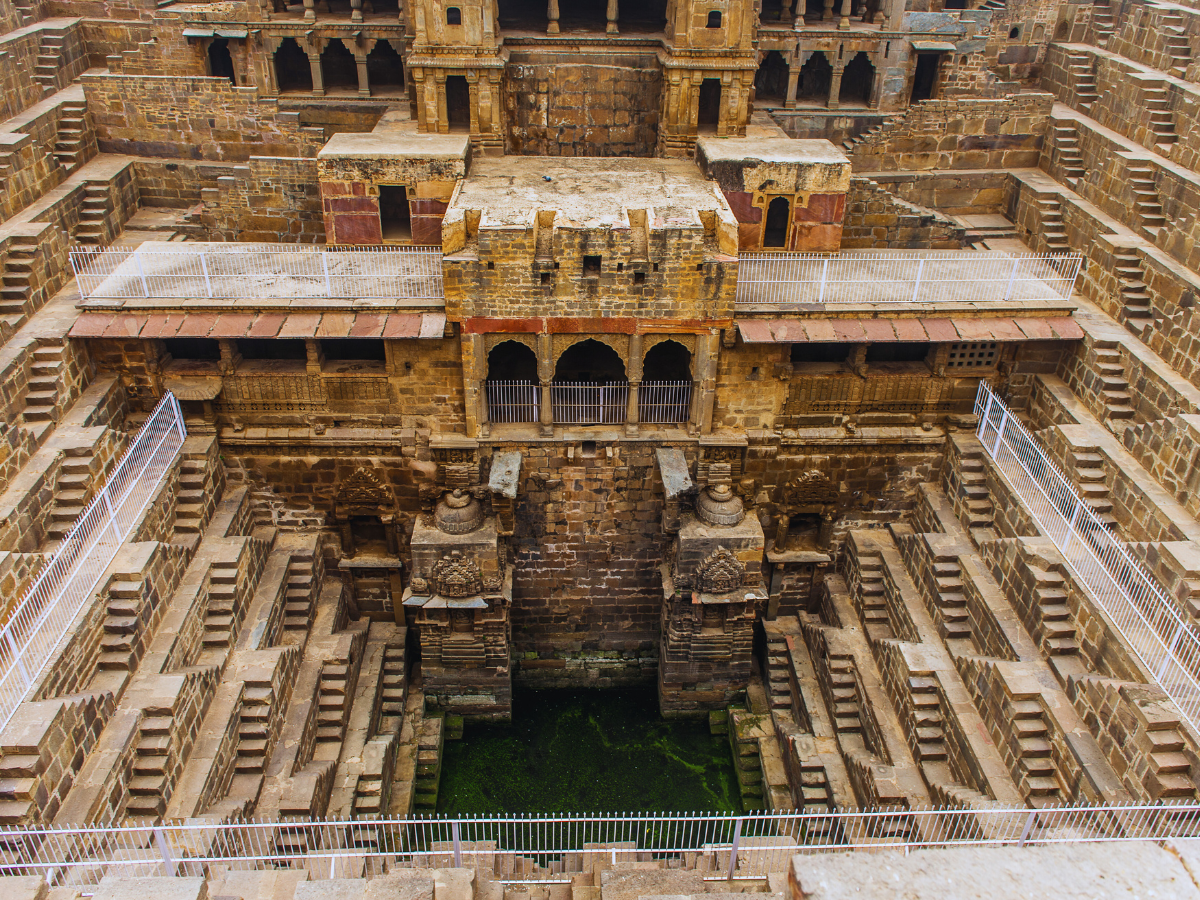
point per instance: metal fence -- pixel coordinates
(664, 402)
(550, 848)
(258, 271)
(1139, 607)
(965, 276)
(514, 401)
(43, 616)
(589, 404)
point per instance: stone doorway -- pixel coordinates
(293, 73)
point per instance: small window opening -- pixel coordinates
(714, 19)
(220, 62)
(394, 220)
(354, 349)
(545, 278)
(588, 450)
(272, 348)
(972, 355)
(639, 277)
(898, 351)
(925, 76)
(591, 266)
(453, 15)
(1014, 33)
(620, 267)
(491, 265)
(193, 348)
(823, 353)
(776, 229)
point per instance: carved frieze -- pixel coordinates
(455, 576)
(720, 573)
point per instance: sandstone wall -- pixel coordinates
(269, 199)
(607, 107)
(18, 90)
(877, 218)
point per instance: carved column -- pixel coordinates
(318, 77)
(364, 82)
(473, 90)
(443, 119)
(827, 13)
(835, 86)
(635, 383)
(705, 388)
(310, 12)
(356, 16)
(793, 84)
(552, 15)
(785, 9)
(546, 377)
(612, 17)
(845, 22)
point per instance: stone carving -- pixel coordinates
(419, 586)
(720, 573)
(454, 576)
(717, 504)
(808, 489)
(364, 489)
(458, 513)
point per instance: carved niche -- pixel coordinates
(811, 488)
(455, 576)
(720, 573)
(364, 493)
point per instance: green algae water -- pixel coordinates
(588, 751)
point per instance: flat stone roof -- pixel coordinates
(587, 193)
(772, 150)
(395, 144)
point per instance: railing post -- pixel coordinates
(137, 258)
(207, 280)
(169, 863)
(1012, 277)
(999, 434)
(1071, 524)
(733, 848)
(1162, 670)
(917, 283)
(325, 268)
(1028, 828)
(18, 657)
(824, 278)
(456, 834)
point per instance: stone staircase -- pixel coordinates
(70, 147)
(1147, 210)
(1134, 297)
(18, 279)
(980, 514)
(95, 208)
(1054, 232)
(332, 701)
(927, 719)
(72, 491)
(220, 616)
(148, 782)
(779, 689)
(122, 624)
(1118, 403)
(45, 376)
(1177, 45)
(1162, 122)
(49, 59)
(843, 695)
(851, 144)
(1083, 78)
(1066, 139)
(1103, 25)
(298, 603)
(1092, 483)
(1058, 636)
(190, 498)
(430, 738)
(955, 624)
(254, 727)
(1037, 778)
(866, 586)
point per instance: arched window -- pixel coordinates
(513, 392)
(292, 69)
(339, 70)
(453, 15)
(770, 82)
(714, 19)
(665, 394)
(220, 62)
(816, 76)
(385, 68)
(775, 229)
(857, 81)
(590, 386)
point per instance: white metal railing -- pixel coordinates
(589, 404)
(664, 402)
(43, 616)
(541, 848)
(963, 276)
(1139, 607)
(222, 271)
(514, 401)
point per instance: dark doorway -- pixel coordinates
(370, 536)
(816, 76)
(385, 68)
(292, 69)
(583, 15)
(394, 221)
(646, 17)
(925, 77)
(668, 361)
(458, 103)
(523, 15)
(220, 62)
(814, 10)
(770, 84)
(776, 227)
(512, 361)
(512, 392)
(772, 11)
(339, 71)
(857, 80)
(590, 362)
(710, 104)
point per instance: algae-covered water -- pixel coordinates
(587, 751)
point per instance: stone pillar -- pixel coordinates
(693, 122)
(612, 17)
(473, 90)
(318, 77)
(705, 389)
(635, 383)
(785, 9)
(546, 377)
(793, 85)
(552, 15)
(827, 13)
(443, 118)
(356, 16)
(364, 82)
(845, 21)
(835, 86)
(310, 12)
